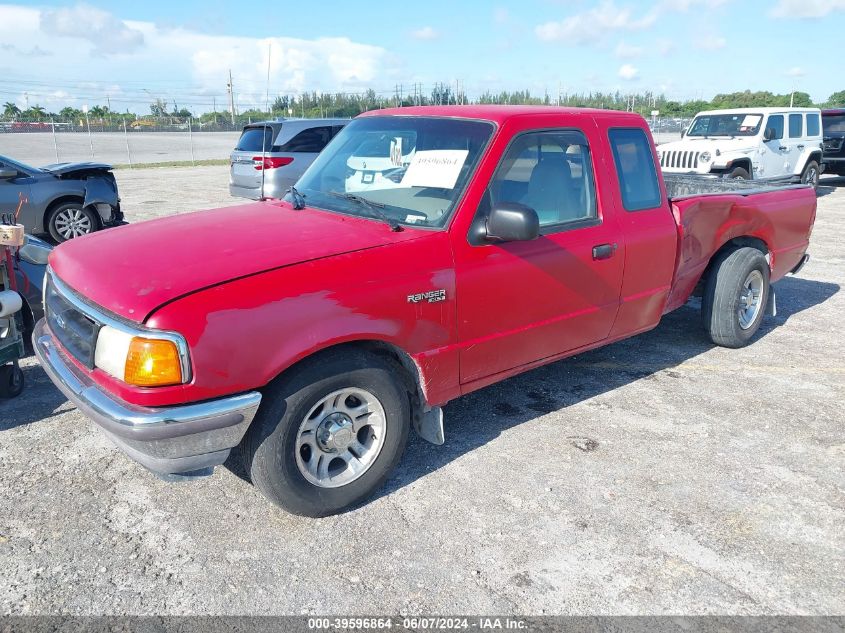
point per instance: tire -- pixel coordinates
(69, 220)
(731, 314)
(739, 173)
(810, 175)
(285, 462)
(11, 381)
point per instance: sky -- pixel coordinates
(126, 54)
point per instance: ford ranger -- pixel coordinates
(311, 333)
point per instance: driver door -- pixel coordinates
(520, 302)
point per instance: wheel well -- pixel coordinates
(409, 373)
(730, 245)
(816, 156)
(59, 201)
(745, 163)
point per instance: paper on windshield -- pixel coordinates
(750, 121)
(435, 168)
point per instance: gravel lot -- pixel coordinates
(659, 475)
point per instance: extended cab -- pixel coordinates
(774, 144)
(313, 332)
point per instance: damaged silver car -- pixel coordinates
(66, 200)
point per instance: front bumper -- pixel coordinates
(187, 440)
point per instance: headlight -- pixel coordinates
(141, 359)
(705, 157)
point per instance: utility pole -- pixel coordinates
(230, 87)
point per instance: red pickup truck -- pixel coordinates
(426, 253)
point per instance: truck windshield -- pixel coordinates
(404, 169)
(742, 124)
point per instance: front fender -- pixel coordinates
(244, 333)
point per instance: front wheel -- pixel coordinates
(328, 435)
(735, 297)
(70, 220)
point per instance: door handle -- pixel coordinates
(800, 147)
(783, 149)
(604, 251)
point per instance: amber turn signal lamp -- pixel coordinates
(153, 363)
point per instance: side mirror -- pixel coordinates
(512, 222)
(769, 134)
(8, 174)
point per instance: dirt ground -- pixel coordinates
(659, 475)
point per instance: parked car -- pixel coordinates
(65, 200)
(315, 331)
(833, 126)
(749, 143)
(270, 156)
(30, 270)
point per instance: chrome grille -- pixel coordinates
(675, 159)
(74, 330)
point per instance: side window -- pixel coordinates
(336, 130)
(552, 173)
(813, 125)
(635, 168)
(796, 125)
(312, 141)
(776, 123)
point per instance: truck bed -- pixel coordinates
(679, 186)
(710, 212)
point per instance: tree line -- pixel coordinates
(343, 105)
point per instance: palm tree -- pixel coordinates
(10, 110)
(35, 112)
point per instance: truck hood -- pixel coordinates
(132, 270)
(78, 170)
(725, 145)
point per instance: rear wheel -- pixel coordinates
(71, 219)
(739, 173)
(735, 297)
(810, 175)
(328, 435)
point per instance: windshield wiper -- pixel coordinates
(374, 207)
(297, 198)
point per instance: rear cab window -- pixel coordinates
(635, 168)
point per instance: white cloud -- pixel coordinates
(108, 34)
(686, 5)
(199, 61)
(795, 71)
(806, 8)
(710, 42)
(593, 25)
(425, 33)
(626, 51)
(628, 72)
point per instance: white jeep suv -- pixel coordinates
(749, 143)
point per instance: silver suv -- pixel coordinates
(282, 150)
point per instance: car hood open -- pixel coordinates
(132, 270)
